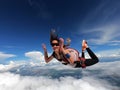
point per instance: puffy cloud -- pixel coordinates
(9, 66)
(35, 55)
(4, 56)
(38, 57)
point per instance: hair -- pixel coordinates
(53, 36)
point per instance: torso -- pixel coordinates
(60, 57)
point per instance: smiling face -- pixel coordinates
(55, 45)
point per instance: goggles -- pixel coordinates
(54, 44)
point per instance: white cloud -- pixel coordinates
(101, 24)
(114, 53)
(108, 69)
(35, 55)
(38, 57)
(4, 56)
(89, 79)
(109, 53)
(9, 81)
(109, 34)
(105, 34)
(9, 66)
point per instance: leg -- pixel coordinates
(93, 60)
(88, 62)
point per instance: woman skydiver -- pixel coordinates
(68, 55)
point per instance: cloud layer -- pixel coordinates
(102, 76)
(15, 82)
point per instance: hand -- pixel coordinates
(61, 42)
(44, 46)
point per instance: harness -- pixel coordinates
(62, 58)
(80, 63)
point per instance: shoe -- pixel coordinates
(84, 45)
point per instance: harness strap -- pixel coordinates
(63, 58)
(82, 62)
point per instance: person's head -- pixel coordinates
(55, 45)
(54, 41)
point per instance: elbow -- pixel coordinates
(46, 60)
(96, 60)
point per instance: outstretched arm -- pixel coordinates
(47, 59)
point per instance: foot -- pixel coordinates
(84, 45)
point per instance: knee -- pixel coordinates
(96, 60)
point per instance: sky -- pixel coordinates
(26, 24)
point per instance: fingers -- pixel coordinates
(61, 41)
(43, 46)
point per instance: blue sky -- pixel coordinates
(25, 25)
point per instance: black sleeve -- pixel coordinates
(94, 59)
